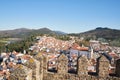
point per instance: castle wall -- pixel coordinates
(67, 76)
(62, 64)
(62, 72)
(82, 65)
(118, 68)
(103, 67)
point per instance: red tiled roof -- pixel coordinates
(114, 55)
(77, 47)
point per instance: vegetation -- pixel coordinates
(17, 45)
(26, 42)
(115, 42)
(2, 47)
(101, 34)
(21, 45)
(106, 33)
(63, 37)
(28, 37)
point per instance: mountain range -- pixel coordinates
(23, 32)
(99, 32)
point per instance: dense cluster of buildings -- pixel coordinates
(10, 61)
(63, 60)
(54, 47)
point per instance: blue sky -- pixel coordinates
(71, 16)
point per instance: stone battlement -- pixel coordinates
(40, 70)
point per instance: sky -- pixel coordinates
(71, 16)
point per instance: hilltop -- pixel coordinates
(100, 32)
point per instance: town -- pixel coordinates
(59, 39)
(50, 59)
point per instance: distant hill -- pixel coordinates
(100, 32)
(23, 32)
(60, 32)
(42, 31)
(15, 33)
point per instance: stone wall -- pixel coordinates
(62, 64)
(118, 68)
(57, 76)
(82, 74)
(103, 67)
(82, 65)
(41, 72)
(21, 73)
(45, 63)
(34, 65)
(39, 58)
(37, 70)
